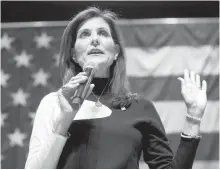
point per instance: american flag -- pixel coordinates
(157, 52)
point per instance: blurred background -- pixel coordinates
(161, 39)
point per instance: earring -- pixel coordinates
(74, 58)
(116, 56)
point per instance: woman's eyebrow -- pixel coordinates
(103, 28)
(82, 30)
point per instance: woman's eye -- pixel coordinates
(104, 33)
(84, 34)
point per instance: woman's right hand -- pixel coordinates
(68, 110)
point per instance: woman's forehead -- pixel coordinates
(94, 23)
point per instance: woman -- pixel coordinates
(114, 136)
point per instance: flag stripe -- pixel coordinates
(196, 165)
(169, 88)
(142, 21)
(158, 35)
(206, 164)
(173, 114)
(166, 61)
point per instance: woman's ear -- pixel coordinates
(73, 55)
(117, 51)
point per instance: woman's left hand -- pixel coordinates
(193, 93)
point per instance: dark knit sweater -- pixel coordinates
(118, 140)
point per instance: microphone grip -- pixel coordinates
(80, 93)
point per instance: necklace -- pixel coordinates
(98, 103)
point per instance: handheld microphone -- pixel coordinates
(80, 93)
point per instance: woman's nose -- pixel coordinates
(95, 41)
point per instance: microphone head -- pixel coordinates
(90, 65)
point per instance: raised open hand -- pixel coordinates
(193, 93)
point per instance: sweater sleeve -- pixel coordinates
(45, 146)
(156, 148)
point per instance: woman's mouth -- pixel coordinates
(95, 51)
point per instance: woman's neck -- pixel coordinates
(102, 73)
(100, 85)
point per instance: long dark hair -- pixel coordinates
(118, 86)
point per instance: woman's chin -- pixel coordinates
(101, 62)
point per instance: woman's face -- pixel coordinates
(94, 43)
